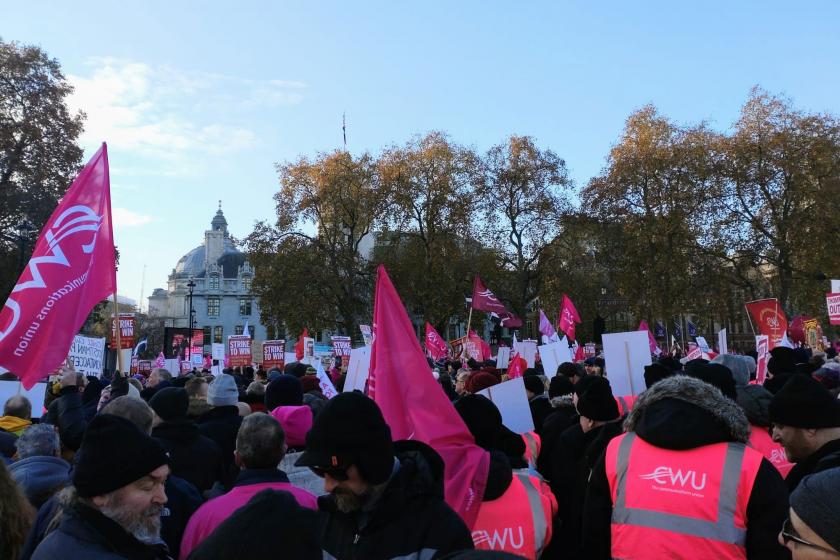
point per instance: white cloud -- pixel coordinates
(123, 217)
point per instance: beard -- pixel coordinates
(143, 526)
(348, 502)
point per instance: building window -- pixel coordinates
(217, 335)
(245, 306)
(246, 284)
(206, 338)
(213, 306)
(214, 282)
(238, 329)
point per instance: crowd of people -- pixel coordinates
(705, 463)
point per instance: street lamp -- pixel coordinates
(23, 234)
(191, 285)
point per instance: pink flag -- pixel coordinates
(517, 366)
(485, 300)
(654, 347)
(568, 317)
(481, 345)
(416, 408)
(580, 353)
(435, 345)
(546, 328)
(71, 269)
(160, 362)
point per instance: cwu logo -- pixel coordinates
(667, 475)
(499, 539)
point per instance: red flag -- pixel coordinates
(580, 353)
(481, 345)
(299, 350)
(415, 406)
(769, 319)
(517, 366)
(485, 300)
(71, 270)
(568, 317)
(435, 345)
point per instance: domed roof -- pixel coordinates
(192, 264)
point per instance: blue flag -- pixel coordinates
(659, 330)
(692, 329)
(677, 330)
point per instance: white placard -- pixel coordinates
(554, 354)
(835, 286)
(325, 382)
(357, 370)
(722, 347)
(88, 355)
(701, 342)
(173, 366)
(503, 357)
(35, 395)
(528, 350)
(217, 351)
(289, 357)
(626, 354)
(512, 401)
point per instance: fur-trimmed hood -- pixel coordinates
(705, 407)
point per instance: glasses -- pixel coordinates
(790, 534)
(336, 473)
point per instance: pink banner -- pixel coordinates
(762, 348)
(435, 345)
(833, 303)
(71, 270)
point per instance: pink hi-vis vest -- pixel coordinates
(625, 404)
(533, 443)
(688, 504)
(519, 521)
(761, 441)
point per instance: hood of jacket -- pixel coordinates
(296, 422)
(181, 431)
(499, 476)
(14, 424)
(683, 412)
(563, 401)
(755, 400)
(40, 475)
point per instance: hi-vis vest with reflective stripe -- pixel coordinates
(532, 447)
(519, 521)
(625, 404)
(688, 504)
(761, 441)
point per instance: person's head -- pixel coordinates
(461, 381)
(484, 421)
(170, 404)
(480, 380)
(285, 390)
(594, 366)
(596, 405)
(255, 389)
(134, 410)
(805, 416)
(716, 375)
(782, 360)
(656, 372)
(571, 370)
(39, 440)
(812, 532)
(197, 388)
(158, 375)
(121, 472)
(17, 514)
(534, 386)
(560, 386)
(260, 442)
(223, 391)
(136, 384)
(261, 376)
(350, 446)
(19, 407)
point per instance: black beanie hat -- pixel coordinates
(656, 372)
(534, 384)
(170, 403)
(804, 403)
(815, 502)
(350, 430)
(774, 384)
(284, 390)
(597, 401)
(484, 421)
(692, 365)
(114, 453)
(582, 385)
(782, 360)
(297, 369)
(560, 385)
(717, 375)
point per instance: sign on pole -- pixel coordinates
(357, 371)
(274, 354)
(625, 355)
(126, 331)
(239, 350)
(503, 357)
(528, 350)
(512, 401)
(88, 355)
(341, 348)
(832, 300)
(554, 354)
(762, 348)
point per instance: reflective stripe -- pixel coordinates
(623, 405)
(536, 506)
(531, 442)
(723, 530)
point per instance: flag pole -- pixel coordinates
(749, 318)
(119, 338)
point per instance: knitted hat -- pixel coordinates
(717, 375)
(782, 360)
(283, 391)
(534, 384)
(560, 385)
(597, 401)
(310, 383)
(298, 369)
(584, 382)
(804, 403)
(737, 366)
(815, 502)
(223, 391)
(656, 372)
(484, 422)
(170, 403)
(351, 431)
(114, 453)
(480, 381)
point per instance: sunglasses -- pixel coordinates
(789, 534)
(334, 472)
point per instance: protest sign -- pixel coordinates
(512, 401)
(173, 365)
(694, 354)
(197, 360)
(217, 351)
(126, 331)
(704, 346)
(290, 357)
(324, 382)
(626, 354)
(367, 334)
(528, 350)
(762, 348)
(134, 364)
(503, 357)
(185, 367)
(554, 354)
(308, 349)
(144, 367)
(88, 355)
(722, 345)
(9, 389)
(589, 350)
(835, 286)
(341, 348)
(832, 300)
(239, 350)
(357, 371)
(768, 319)
(274, 354)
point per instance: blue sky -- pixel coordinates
(198, 100)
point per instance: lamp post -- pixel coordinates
(190, 286)
(23, 234)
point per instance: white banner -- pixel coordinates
(88, 355)
(512, 401)
(357, 371)
(9, 389)
(626, 354)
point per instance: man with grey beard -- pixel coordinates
(113, 509)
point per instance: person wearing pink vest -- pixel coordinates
(260, 446)
(683, 484)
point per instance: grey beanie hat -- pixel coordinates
(223, 391)
(815, 502)
(737, 365)
(750, 361)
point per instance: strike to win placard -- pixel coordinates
(239, 350)
(274, 354)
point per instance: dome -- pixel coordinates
(192, 264)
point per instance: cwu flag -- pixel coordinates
(692, 328)
(659, 330)
(677, 329)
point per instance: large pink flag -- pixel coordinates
(435, 345)
(568, 317)
(72, 269)
(654, 347)
(547, 329)
(485, 300)
(415, 406)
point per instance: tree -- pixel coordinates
(523, 196)
(39, 154)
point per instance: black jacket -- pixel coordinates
(221, 424)
(410, 516)
(70, 416)
(563, 416)
(826, 457)
(666, 418)
(193, 457)
(540, 409)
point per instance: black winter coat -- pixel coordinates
(221, 424)
(563, 416)
(193, 457)
(70, 415)
(826, 457)
(410, 516)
